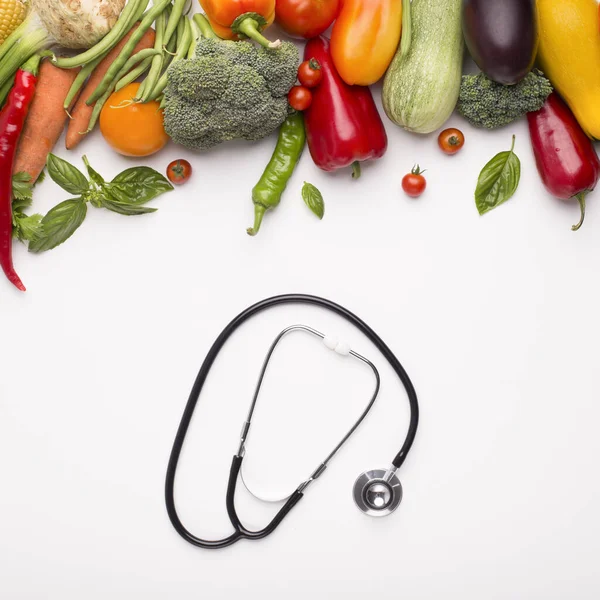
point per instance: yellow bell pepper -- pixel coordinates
(569, 55)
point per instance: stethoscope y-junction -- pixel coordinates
(377, 492)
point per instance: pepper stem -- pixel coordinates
(32, 65)
(250, 25)
(259, 213)
(581, 199)
(356, 170)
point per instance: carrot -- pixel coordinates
(45, 121)
(82, 112)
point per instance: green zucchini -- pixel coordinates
(421, 89)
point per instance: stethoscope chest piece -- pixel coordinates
(378, 492)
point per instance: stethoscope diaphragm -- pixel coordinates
(377, 492)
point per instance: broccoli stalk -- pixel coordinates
(485, 103)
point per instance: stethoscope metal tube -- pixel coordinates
(323, 465)
(380, 494)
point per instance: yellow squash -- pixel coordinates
(569, 55)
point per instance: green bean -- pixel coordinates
(129, 47)
(110, 40)
(130, 64)
(134, 73)
(178, 6)
(169, 53)
(81, 78)
(182, 50)
(204, 27)
(165, 15)
(155, 69)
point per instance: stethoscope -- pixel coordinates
(376, 493)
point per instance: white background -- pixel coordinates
(495, 319)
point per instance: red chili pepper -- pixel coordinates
(343, 126)
(565, 156)
(12, 119)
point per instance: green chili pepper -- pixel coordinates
(267, 192)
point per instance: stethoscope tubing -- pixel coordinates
(239, 530)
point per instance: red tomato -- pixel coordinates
(179, 171)
(306, 18)
(414, 183)
(310, 73)
(451, 141)
(300, 98)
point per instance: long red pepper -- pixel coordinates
(566, 158)
(12, 119)
(343, 126)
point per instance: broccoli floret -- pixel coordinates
(228, 90)
(485, 103)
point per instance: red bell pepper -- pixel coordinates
(343, 126)
(12, 119)
(566, 158)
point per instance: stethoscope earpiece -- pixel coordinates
(378, 492)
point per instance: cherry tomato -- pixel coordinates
(310, 73)
(414, 183)
(132, 128)
(306, 18)
(300, 98)
(179, 171)
(451, 141)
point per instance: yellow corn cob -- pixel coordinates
(12, 14)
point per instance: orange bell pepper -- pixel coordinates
(365, 38)
(235, 19)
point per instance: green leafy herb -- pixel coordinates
(313, 199)
(125, 195)
(21, 187)
(94, 175)
(138, 185)
(60, 224)
(70, 178)
(498, 180)
(25, 227)
(126, 208)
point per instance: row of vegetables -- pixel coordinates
(147, 73)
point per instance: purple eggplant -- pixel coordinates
(502, 37)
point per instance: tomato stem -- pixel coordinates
(356, 170)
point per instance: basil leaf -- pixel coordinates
(125, 208)
(498, 180)
(59, 224)
(70, 178)
(94, 175)
(138, 185)
(313, 199)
